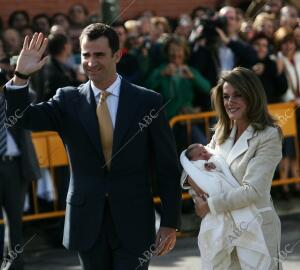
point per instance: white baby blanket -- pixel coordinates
(221, 233)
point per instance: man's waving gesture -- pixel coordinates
(110, 219)
(31, 58)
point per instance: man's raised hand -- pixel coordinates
(30, 59)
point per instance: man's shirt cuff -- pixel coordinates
(9, 85)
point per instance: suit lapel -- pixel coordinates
(128, 103)
(86, 108)
(241, 145)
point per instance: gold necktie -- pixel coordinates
(106, 127)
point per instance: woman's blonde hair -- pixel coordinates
(260, 20)
(281, 36)
(246, 83)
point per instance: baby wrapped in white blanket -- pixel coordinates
(221, 233)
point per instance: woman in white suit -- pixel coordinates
(249, 139)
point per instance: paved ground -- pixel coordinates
(185, 256)
(40, 256)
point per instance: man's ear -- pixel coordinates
(118, 56)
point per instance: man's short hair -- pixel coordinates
(56, 43)
(97, 30)
(117, 24)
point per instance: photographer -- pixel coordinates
(219, 44)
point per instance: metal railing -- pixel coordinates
(51, 152)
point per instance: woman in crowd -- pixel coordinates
(264, 22)
(269, 70)
(178, 82)
(62, 20)
(78, 15)
(19, 20)
(297, 36)
(286, 47)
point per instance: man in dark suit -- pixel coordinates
(18, 167)
(113, 131)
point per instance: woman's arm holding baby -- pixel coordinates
(201, 206)
(195, 187)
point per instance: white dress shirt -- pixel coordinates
(12, 148)
(112, 104)
(226, 57)
(112, 100)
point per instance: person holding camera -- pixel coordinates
(219, 44)
(176, 80)
(179, 83)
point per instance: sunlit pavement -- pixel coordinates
(185, 255)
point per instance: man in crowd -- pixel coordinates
(18, 167)
(57, 73)
(289, 17)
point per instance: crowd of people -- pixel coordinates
(194, 49)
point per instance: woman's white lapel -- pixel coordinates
(231, 151)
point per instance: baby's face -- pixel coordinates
(200, 153)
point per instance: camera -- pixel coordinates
(179, 71)
(209, 26)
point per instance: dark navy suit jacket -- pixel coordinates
(138, 147)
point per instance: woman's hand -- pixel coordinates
(258, 69)
(280, 65)
(170, 70)
(186, 72)
(201, 206)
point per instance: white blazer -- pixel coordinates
(252, 161)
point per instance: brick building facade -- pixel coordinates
(128, 8)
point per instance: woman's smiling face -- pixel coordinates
(234, 103)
